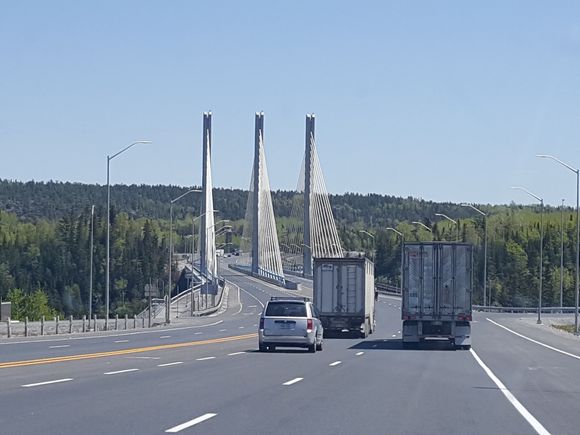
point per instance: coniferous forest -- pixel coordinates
(45, 241)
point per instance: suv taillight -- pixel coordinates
(309, 325)
(261, 323)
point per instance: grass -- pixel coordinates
(566, 327)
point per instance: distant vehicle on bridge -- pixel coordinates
(437, 288)
(344, 294)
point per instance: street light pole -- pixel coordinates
(109, 158)
(425, 227)
(577, 290)
(451, 220)
(484, 248)
(168, 303)
(562, 254)
(372, 239)
(541, 246)
(91, 265)
(402, 236)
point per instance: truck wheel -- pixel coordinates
(271, 348)
(312, 349)
(262, 347)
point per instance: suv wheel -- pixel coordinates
(312, 349)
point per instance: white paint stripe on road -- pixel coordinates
(105, 335)
(170, 364)
(547, 346)
(511, 398)
(142, 357)
(252, 306)
(121, 341)
(47, 382)
(206, 358)
(121, 371)
(198, 333)
(250, 294)
(293, 381)
(335, 363)
(240, 327)
(359, 353)
(165, 336)
(235, 353)
(59, 347)
(222, 330)
(190, 423)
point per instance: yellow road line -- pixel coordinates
(33, 362)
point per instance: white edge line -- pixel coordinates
(170, 364)
(47, 382)
(293, 381)
(535, 341)
(190, 423)
(239, 300)
(259, 301)
(120, 371)
(335, 363)
(511, 398)
(60, 346)
(205, 358)
(359, 353)
(121, 341)
(105, 335)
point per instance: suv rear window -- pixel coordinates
(286, 309)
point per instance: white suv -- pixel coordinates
(290, 322)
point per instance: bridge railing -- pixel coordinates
(387, 289)
(548, 310)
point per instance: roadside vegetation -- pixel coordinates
(45, 239)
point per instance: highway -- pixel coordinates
(207, 377)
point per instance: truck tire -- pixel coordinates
(271, 348)
(262, 347)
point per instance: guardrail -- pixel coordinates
(387, 289)
(548, 310)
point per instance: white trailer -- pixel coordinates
(344, 294)
(437, 288)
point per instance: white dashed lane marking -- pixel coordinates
(359, 353)
(38, 384)
(293, 381)
(121, 371)
(59, 347)
(170, 364)
(206, 358)
(190, 423)
(335, 363)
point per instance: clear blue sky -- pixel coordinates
(444, 100)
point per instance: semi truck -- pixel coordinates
(437, 289)
(344, 294)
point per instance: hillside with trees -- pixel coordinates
(45, 239)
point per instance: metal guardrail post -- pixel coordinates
(116, 322)
(96, 325)
(56, 320)
(8, 327)
(134, 321)
(126, 319)
(26, 326)
(143, 322)
(42, 325)
(84, 323)
(70, 325)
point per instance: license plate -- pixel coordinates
(285, 326)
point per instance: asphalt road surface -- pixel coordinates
(206, 377)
